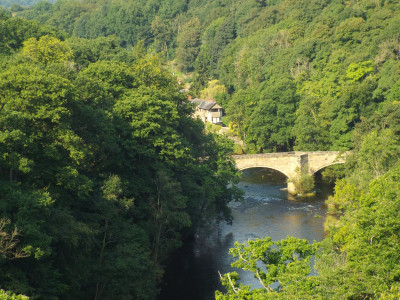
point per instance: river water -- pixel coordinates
(268, 210)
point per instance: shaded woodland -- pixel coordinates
(103, 170)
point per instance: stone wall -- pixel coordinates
(290, 163)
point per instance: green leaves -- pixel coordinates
(367, 240)
(101, 166)
(188, 44)
(281, 268)
(4, 295)
(47, 49)
(273, 119)
(355, 72)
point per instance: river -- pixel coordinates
(268, 210)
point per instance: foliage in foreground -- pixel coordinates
(102, 169)
(10, 296)
(280, 267)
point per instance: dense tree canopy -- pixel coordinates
(103, 170)
(326, 52)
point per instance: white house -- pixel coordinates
(207, 110)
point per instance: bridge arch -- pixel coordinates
(264, 167)
(291, 164)
(325, 166)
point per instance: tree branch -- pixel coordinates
(257, 273)
(230, 281)
(262, 283)
(9, 241)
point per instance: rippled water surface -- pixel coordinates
(267, 211)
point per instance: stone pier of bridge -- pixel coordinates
(291, 164)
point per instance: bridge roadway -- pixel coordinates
(291, 164)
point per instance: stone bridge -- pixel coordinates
(291, 163)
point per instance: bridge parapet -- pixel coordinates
(266, 155)
(291, 153)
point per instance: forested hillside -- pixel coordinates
(299, 74)
(18, 5)
(103, 170)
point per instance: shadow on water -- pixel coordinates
(268, 210)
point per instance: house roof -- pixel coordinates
(204, 104)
